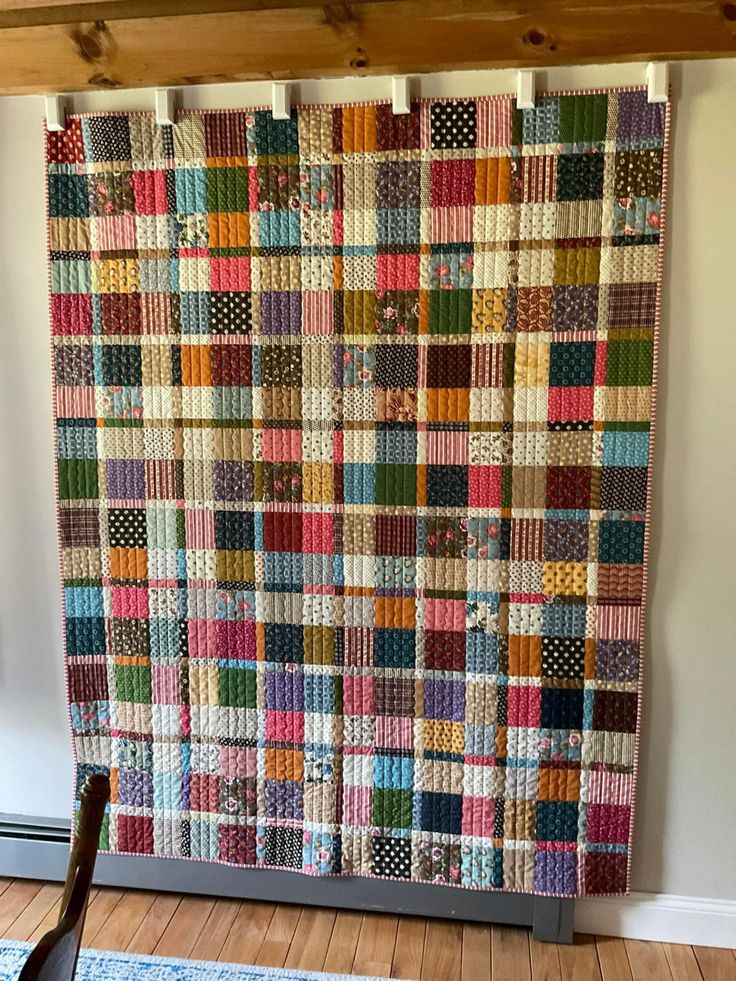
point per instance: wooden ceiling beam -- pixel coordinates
(60, 46)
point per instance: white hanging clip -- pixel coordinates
(658, 81)
(55, 114)
(281, 100)
(165, 108)
(525, 89)
(401, 95)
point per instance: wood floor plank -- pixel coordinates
(683, 962)
(476, 955)
(120, 927)
(4, 883)
(545, 961)
(219, 923)
(647, 960)
(579, 960)
(311, 939)
(344, 942)
(442, 959)
(612, 958)
(275, 947)
(14, 900)
(184, 927)
(376, 944)
(409, 947)
(28, 921)
(715, 963)
(510, 953)
(247, 932)
(102, 906)
(158, 917)
(52, 917)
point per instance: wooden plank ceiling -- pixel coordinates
(68, 45)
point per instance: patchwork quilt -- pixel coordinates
(353, 423)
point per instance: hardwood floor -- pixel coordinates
(355, 943)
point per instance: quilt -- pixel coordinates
(353, 426)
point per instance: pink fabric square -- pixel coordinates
(317, 534)
(493, 121)
(129, 601)
(444, 614)
(484, 487)
(452, 224)
(357, 803)
(358, 695)
(149, 191)
(230, 274)
(392, 732)
(478, 815)
(317, 312)
(201, 641)
(447, 447)
(199, 527)
(76, 403)
(285, 727)
(609, 823)
(71, 313)
(166, 684)
(452, 182)
(113, 233)
(238, 761)
(253, 188)
(397, 272)
(608, 787)
(524, 705)
(236, 639)
(601, 359)
(575, 402)
(280, 445)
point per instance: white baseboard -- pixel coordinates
(658, 916)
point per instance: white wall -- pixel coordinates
(687, 781)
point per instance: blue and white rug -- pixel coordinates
(105, 965)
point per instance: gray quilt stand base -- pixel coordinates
(36, 855)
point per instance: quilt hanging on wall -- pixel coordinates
(353, 431)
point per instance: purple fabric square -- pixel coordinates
(126, 479)
(639, 119)
(135, 788)
(575, 307)
(233, 480)
(444, 700)
(617, 660)
(284, 799)
(284, 691)
(556, 872)
(281, 313)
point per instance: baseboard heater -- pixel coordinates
(38, 848)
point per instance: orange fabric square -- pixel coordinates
(284, 764)
(559, 784)
(195, 365)
(229, 230)
(493, 180)
(448, 404)
(129, 563)
(525, 656)
(359, 129)
(395, 612)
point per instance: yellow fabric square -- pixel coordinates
(531, 362)
(318, 485)
(565, 578)
(444, 736)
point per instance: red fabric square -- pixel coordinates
(135, 834)
(121, 313)
(397, 272)
(230, 274)
(478, 814)
(568, 487)
(285, 727)
(452, 182)
(236, 639)
(484, 487)
(444, 650)
(609, 823)
(359, 695)
(282, 531)
(149, 191)
(71, 313)
(205, 792)
(237, 844)
(282, 444)
(524, 706)
(231, 365)
(604, 872)
(573, 402)
(317, 534)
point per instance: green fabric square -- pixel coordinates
(450, 311)
(133, 683)
(396, 484)
(227, 189)
(629, 363)
(77, 479)
(621, 542)
(392, 808)
(68, 196)
(583, 118)
(70, 276)
(237, 687)
(572, 363)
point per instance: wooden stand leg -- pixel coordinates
(552, 921)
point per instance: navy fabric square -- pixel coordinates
(562, 708)
(284, 643)
(394, 648)
(571, 363)
(557, 820)
(121, 365)
(447, 486)
(234, 530)
(442, 813)
(109, 137)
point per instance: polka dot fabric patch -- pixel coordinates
(353, 419)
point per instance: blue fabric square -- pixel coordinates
(622, 449)
(83, 601)
(481, 653)
(393, 772)
(279, 228)
(442, 813)
(359, 483)
(394, 648)
(557, 820)
(191, 191)
(85, 635)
